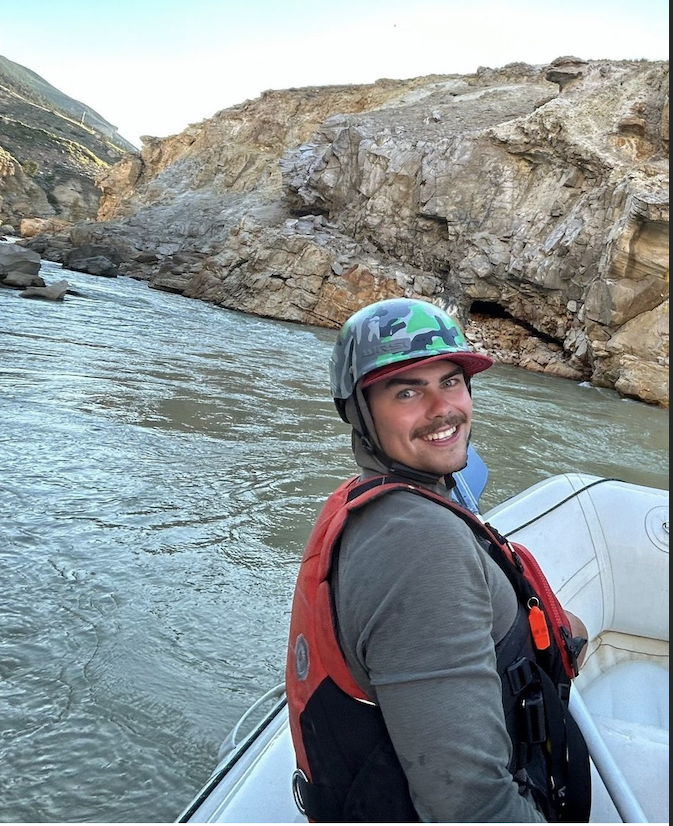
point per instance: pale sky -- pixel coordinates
(152, 67)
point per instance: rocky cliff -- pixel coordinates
(531, 201)
(52, 150)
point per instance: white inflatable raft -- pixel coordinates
(603, 545)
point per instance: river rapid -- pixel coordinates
(161, 463)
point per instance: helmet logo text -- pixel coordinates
(398, 345)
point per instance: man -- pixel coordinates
(408, 639)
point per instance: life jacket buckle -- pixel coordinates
(520, 675)
(533, 719)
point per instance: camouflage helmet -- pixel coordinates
(387, 335)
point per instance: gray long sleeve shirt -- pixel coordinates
(420, 608)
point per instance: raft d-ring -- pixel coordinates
(657, 527)
(296, 791)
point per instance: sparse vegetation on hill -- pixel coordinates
(58, 146)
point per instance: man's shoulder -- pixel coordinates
(404, 507)
(401, 531)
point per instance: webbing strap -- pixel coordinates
(568, 758)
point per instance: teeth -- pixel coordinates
(443, 434)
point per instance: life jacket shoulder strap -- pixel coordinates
(516, 561)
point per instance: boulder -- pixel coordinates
(16, 259)
(21, 280)
(54, 292)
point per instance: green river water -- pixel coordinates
(161, 463)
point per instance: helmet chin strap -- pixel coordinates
(369, 443)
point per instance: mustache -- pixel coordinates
(438, 425)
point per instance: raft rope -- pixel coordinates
(562, 502)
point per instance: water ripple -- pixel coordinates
(162, 463)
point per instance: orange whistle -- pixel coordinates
(538, 627)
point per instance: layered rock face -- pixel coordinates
(532, 202)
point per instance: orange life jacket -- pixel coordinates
(347, 769)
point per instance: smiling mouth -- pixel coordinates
(439, 435)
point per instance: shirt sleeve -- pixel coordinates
(420, 607)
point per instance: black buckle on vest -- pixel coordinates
(520, 675)
(564, 693)
(534, 727)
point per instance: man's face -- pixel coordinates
(423, 416)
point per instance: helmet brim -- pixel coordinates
(471, 363)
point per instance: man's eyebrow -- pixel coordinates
(395, 381)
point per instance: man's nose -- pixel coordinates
(438, 404)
